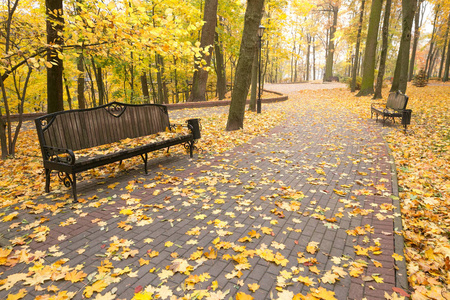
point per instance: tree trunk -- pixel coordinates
(69, 98)
(308, 54)
(371, 49)
(220, 69)
(162, 85)
(384, 49)
(55, 25)
(255, 74)
(99, 81)
(432, 42)
(253, 15)
(88, 70)
(80, 82)
(445, 48)
(358, 43)
(132, 78)
(433, 61)
(200, 79)
(330, 54)
(417, 24)
(144, 86)
(401, 67)
(4, 125)
(314, 58)
(447, 64)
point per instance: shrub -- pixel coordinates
(421, 79)
(348, 81)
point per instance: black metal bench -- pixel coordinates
(395, 108)
(67, 137)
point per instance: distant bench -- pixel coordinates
(395, 107)
(118, 130)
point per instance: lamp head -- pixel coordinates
(261, 30)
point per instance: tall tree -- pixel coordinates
(445, 47)
(384, 49)
(371, 49)
(253, 15)
(330, 50)
(255, 75)
(447, 64)
(80, 81)
(358, 43)
(55, 26)
(401, 67)
(220, 69)
(431, 51)
(417, 24)
(200, 78)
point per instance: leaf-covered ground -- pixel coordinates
(423, 162)
(214, 222)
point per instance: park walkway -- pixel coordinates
(306, 208)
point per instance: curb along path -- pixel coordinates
(306, 208)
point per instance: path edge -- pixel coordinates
(401, 277)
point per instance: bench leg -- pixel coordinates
(191, 149)
(145, 159)
(74, 187)
(47, 180)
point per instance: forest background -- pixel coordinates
(60, 55)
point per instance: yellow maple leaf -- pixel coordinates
(214, 285)
(143, 262)
(22, 293)
(75, 276)
(243, 296)
(266, 230)
(196, 255)
(212, 254)
(323, 293)
(168, 244)
(329, 277)
(397, 257)
(361, 251)
(152, 254)
(314, 270)
(305, 280)
(97, 287)
(377, 264)
(312, 247)
(10, 216)
(254, 234)
(377, 279)
(126, 212)
(253, 287)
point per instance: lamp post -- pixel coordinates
(260, 34)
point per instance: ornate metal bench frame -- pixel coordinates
(395, 108)
(62, 133)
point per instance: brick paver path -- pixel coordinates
(237, 218)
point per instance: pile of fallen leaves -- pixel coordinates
(422, 157)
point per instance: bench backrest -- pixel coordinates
(86, 128)
(397, 101)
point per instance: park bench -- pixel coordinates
(395, 107)
(74, 141)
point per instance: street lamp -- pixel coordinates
(260, 35)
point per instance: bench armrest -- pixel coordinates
(378, 104)
(59, 155)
